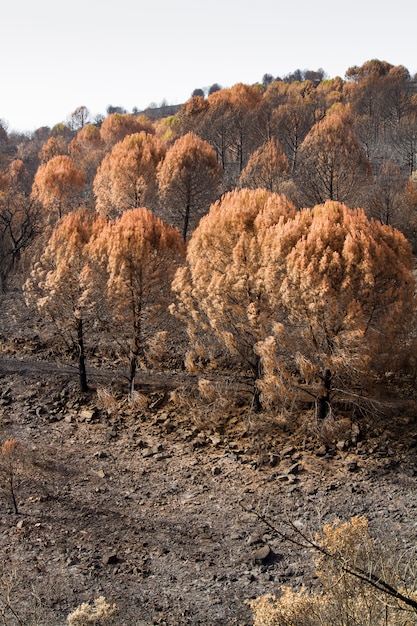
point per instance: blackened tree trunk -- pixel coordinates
(132, 374)
(81, 356)
(323, 401)
(256, 402)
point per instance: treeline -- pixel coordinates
(114, 207)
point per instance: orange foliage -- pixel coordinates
(267, 168)
(126, 178)
(138, 254)
(332, 165)
(189, 181)
(57, 184)
(118, 125)
(221, 291)
(347, 288)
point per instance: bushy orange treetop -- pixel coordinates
(189, 181)
(221, 290)
(118, 125)
(332, 165)
(126, 178)
(60, 284)
(57, 184)
(138, 255)
(347, 289)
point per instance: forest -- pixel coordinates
(259, 239)
(276, 222)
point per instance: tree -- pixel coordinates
(87, 150)
(138, 254)
(245, 102)
(118, 125)
(52, 148)
(11, 465)
(126, 178)
(332, 165)
(62, 287)
(20, 219)
(220, 292)
(189, 181)
(79, 118)
(198, 92)
(267, 168)
(292, 119)
(393, 201)
(57, 185)
(346, 295)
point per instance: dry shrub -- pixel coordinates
(100, 612)
(107, 401)
(343, 599)
(156, 349)
(138, 401)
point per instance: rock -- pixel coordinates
(355, 432)
(273, 460)
(288, 451)
(110, 559)
(262, 555)
(86, 415)
(341, 445)
(322, 451)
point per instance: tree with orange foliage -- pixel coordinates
(332, 165)
(267, 168)
(61, 285)
(126, 178)
(20, 218)
(189, 181)
(345, 288)
(52, 148)
(220, 292)
(57, 184)
(11, 465)
(138, 254)
(118, 125)
(87, 150)
(393, 200)
(292, 119)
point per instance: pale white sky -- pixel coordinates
(57, 56)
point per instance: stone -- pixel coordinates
(262, 555)
(110, 559)
(322, 451)
(86, 415)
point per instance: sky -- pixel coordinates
(58, 56)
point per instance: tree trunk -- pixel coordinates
(12, 493)
(81, 357)
(323, 401)
(256, 402)
(132, 374)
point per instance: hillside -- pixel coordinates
(149, 505)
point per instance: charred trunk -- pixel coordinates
(81, 357)
(132, 374)
(323, 401)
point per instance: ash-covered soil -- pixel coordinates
(149, 504)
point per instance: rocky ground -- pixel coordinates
(151, 504)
